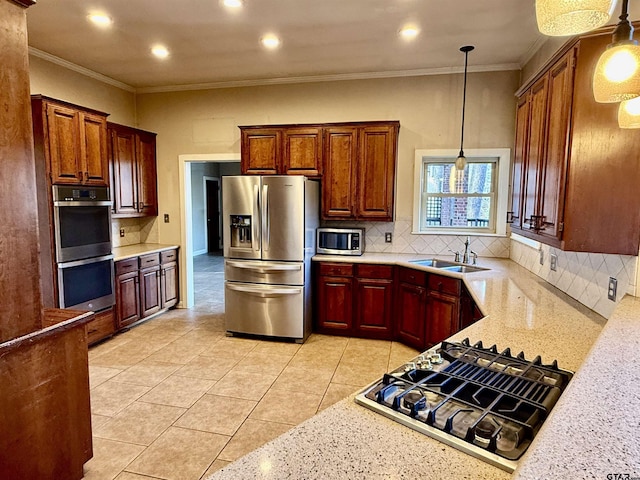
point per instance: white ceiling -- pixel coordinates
(321, 38)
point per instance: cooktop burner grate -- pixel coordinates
(487, 403)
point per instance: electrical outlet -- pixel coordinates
(122, 232)
(166, 218)
(613, 289)
(554, 262)
(541, 257)
(387, 237)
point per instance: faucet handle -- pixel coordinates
(475, 257)
(456, 255)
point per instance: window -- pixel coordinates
(473, 201)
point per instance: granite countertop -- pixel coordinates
(523, 313)
(130, 251)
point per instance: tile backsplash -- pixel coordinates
(583, 276)
(136, 230)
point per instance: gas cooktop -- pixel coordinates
(487, 403)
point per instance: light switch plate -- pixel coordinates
(387, 237)
(613, 289)
(166, 218)
(122, 232)
(554, 262)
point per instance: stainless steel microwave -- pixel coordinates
(340, 241)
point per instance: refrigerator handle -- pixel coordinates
(266, 224)
(254, 218)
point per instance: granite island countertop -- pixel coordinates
(525, 313)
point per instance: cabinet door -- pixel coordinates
(93, 149)
(169, 284)
(260, 151)
(376, 170)
(125, 176)
(147, 174)
(302, 151)
(553, 176)
(338, 183)
(101, 326)
(443, 317)
(150, 298)
(536, 151)
(411, 315)
(374, 303)
(335, 304)
(520, 159)
(64, 143)
(127, 299)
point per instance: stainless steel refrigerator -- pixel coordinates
(269, 230)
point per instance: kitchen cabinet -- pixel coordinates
(281, 150)
(132, 154)
(411, 313)
(575, 172)
(145, 285)
(72, 141)
(373, 301)
(443, 308)
(359, 171)
(334, 297)
(101, 327)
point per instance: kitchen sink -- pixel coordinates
(447, 265)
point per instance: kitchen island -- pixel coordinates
(525, 313)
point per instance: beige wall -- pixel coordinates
(55, 81)
(428, 108)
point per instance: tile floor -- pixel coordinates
(174, 398)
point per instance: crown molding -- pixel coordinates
(82, 70)
(327, 78)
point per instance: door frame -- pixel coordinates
(206, 178)
(187, 299)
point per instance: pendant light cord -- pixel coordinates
(466, 50)
(624, 30)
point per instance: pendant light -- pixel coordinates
(629, 113)
(617, 74)
(461, 161)
(559, 18)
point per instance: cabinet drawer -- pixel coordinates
(336, 269)
(443, 284)
(149, 260)
(127, 266)
(168, 256)
(374, 271)
(414, 277)
(101, 326)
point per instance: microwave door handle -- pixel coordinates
(348, 246)
(266, 225)
(254, 218)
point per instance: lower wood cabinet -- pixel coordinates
(145, 285)
(101, 327)
(419, 309)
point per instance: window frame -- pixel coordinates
(502, 158)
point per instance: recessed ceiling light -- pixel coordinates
(270, 41)
(160, 51)
(409, 32)
(100, 19)
(232, 3)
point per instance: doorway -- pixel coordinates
(213, 214)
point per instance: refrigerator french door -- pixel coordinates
(269, 227)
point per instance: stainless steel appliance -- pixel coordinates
(269, 226)
(82, 230)
(340, 241)
(486, 403)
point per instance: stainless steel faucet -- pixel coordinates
(468, 256)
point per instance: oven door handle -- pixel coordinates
(265, 292)
(261, 269)
(85, 261)
(66, 203)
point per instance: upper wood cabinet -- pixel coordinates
(575, 172)
(261, 151)
(74, 142)
(133, 170)
(359, 171)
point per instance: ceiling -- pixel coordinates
(328, 39)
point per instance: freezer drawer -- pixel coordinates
(272, 310)
(259, 271)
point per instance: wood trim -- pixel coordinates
(44, 98)
(325, 125)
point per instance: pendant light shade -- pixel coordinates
(629, 114)
(570, 17)
(617, 74)
(461, 161)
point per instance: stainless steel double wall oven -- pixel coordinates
(82, 229)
